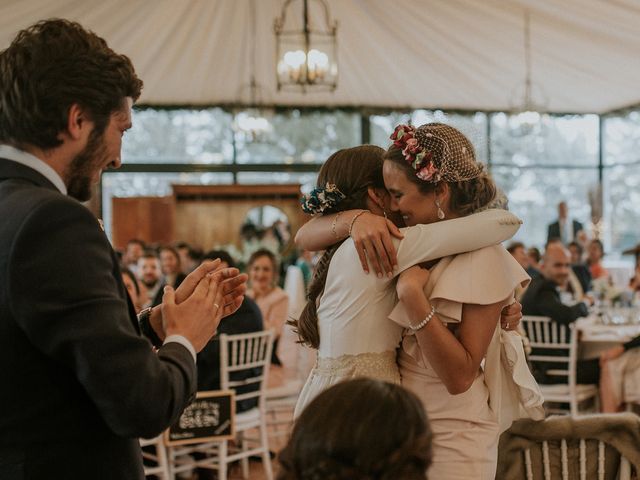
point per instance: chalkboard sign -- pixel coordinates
(210, 417)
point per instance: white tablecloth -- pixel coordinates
(595, 337)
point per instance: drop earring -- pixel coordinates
(440, 211)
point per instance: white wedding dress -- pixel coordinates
(356, 336)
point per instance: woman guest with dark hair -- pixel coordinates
(356, 430)
(264, 290)
(171, 271)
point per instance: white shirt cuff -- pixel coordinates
(182, 341)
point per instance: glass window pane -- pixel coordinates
(119, 184)
(474, 126)
(622, 139)
(179, 136)
(534, 197)
(307, 180)
(296, 136)
(382, 126)
(556, 140)
(621, 200)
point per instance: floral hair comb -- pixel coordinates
(321, 199)
(420, 159)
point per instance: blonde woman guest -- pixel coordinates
(272, 300)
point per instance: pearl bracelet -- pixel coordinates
(334, 224)
(423, 323)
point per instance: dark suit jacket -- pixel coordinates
(246, 319)
(542, 298)
(553, 232)
(79, 384)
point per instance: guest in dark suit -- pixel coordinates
(543, 298)
(246, 320)
(79, 382)
(564, 229)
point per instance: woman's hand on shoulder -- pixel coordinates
(371, 235)
(412, 281)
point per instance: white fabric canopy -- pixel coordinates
(451, 54)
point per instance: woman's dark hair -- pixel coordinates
(466, 196)
(125, 271)
(49, 67)
(356, 430)
(352, 171)
(223, 255)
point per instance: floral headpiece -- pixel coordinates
(437, 152)
(420, 159)
(321, 199)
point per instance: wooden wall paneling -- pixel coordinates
(151, 219)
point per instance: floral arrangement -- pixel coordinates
(321, 199)
(420, 159)
(605, 289)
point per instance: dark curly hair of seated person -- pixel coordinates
(361, 429)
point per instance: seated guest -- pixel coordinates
(171, 273)
(264, 290)
(579, 268)
(620, 378)
(517, 251)
(361, 429)
(543, 298)
(534, 257)
(246, 319)
(134, 250)
(133, 288)
(149, 275)
(595, 253)
(634, 281)
(190, 257)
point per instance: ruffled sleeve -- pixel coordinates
(485, 276)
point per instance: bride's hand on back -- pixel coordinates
(371, 235)
(510, 316)
(412, 281)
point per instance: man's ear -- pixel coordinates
(78, 123)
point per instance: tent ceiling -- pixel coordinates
(453, 54)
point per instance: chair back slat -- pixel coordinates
(546, 465)
(601, 460)
(249, 353)
(528, 464)
(565, 459)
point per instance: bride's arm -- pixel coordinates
(370, 233)
(440, 239)
(455, 360)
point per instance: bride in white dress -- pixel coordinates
(346, 318)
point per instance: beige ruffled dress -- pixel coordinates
(466, 427)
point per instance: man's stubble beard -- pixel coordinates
(80, 171)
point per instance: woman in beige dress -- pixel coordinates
(451, 351)
(272, 300)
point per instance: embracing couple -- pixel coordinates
(431, 321)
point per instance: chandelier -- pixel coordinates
(526, 117)
(306, 52)
(253, 122)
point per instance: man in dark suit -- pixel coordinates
(564, 229)
(542, 297)
(79, 382)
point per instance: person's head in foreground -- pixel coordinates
(432, 174)
(356, 430)
(65, 96)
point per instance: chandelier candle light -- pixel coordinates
(306, 55)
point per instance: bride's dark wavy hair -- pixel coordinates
(360, 429)
(352, 171)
